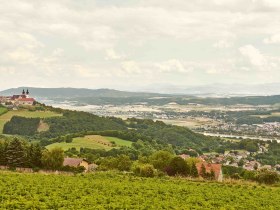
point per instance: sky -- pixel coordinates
(134, 44)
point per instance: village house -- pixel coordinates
(216, 168)
(252, 165)
(76, 162)
(184, 156)
(18, 100)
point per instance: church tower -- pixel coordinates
(27, 93)
(23, 92)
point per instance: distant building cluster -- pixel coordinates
(17, 100)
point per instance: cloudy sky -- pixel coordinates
(134, 44)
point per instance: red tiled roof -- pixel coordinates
(26, 99)
(210, 166)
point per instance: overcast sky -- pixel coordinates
(129, 44)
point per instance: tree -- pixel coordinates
(35, 156)
(203, 172)
(178, 166)
(3, 148)
(161, 159)
(123, 163)
(53, 159)
(15, 154)
(256, 166)
(251, 147)
(212, 175)
(193, 170)
(241, 162)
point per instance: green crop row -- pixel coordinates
(116, 191)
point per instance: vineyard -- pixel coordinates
(116, 191)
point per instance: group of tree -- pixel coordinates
(21, 126)
(159, 163)
(272, 156)
(261, 176)
(18, 153)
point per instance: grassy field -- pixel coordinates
(191, 123)
(116, 191)
(119, 142)
(2, 110)
(24, 113)
(92, 142)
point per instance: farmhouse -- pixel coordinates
(216, 168)
(17, 100)
(76, 162)
(184, 156)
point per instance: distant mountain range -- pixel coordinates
(218, 90)
(82, 96)
(77, 92)
(156, 90)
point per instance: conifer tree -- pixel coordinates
(194, 172)
(203, 171)
(35, 156)
(3, 148)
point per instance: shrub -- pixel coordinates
(177, 166)
(144, 170)
(267, 177)
(235, 176)
(161, 159)
(147, 170)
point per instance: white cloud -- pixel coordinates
(258, 60)
(274, 39)
(130, 67)
(223, 44)
(253, 54)
(172, 66)
(21, 56)
(111, 54)
(58, 52)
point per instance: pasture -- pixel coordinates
(92, 142)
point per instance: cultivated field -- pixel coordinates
(115, 191)
(92, 142)
(24, 113)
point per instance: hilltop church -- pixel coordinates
(18, 100)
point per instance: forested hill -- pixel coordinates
(75, 123)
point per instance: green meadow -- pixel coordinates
(92, 142)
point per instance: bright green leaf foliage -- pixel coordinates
(115, 191)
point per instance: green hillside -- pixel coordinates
(115, 191)
(78, 124)
(25, 113)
